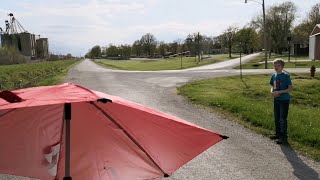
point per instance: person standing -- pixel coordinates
(281, 86)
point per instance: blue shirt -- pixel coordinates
(281, 82)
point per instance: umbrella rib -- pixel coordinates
(7, 112)
(131, 138)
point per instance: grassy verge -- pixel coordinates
(258, 62)
(161, 64)
(10, 55)
(253, 107)
(36, 74)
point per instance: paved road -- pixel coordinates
(245, 155)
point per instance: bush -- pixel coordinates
(10, 55)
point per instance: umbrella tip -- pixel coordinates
(166, 175)
(104, 100)
(224, 137)
(10, 97)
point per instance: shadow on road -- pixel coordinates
(301, 170)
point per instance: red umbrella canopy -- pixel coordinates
(110, 137)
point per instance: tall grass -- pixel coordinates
(10, 55)
(253, 104)
(27, 75)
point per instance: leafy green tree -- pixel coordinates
(137, 48)
(248, 38)
(162, 48)
(125, 51)
(113, 51)
(95, 52)
(279, 24)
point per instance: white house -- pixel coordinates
(314, 43)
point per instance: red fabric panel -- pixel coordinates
(25, 135)
(170, 142)
(47, 95)
(101, 151)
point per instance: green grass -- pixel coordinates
(254, 64)
(35, 74)
(161, 64)
(10, 55)
(253, 106)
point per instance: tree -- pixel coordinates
(125, 51)
(302, 31)
(137, 48)
(173, 47)
(279, 23)
(314, 15)
(95, 52)
(216, 42)
(69, 56)
(149, 43)
(189, 43)
(248, 38)
(113, 51)
(228, 38)
(162, 48)
(193, 43)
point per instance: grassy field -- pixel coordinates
(252, 106)
(161, 64)
(35, 74)
(254, 64)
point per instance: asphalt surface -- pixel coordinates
(245, 155)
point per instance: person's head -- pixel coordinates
(278, 65)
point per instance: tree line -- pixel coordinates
(280, 20)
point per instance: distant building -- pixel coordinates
(23, 41)
(299, 48)
(314, 43)
(42, 47)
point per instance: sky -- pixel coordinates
(75, 26)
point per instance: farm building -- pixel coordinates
(314, 43)
(28, 44)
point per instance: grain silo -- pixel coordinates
(10, 40)
(42, 47)
(27, 44)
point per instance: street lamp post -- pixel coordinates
(264, 33)
(289, 47)
(240, 61)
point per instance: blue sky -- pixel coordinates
(76, 25)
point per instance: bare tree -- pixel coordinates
(228, 38)
(149, 43)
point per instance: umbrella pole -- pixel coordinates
(67, 117)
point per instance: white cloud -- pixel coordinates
(77, 26)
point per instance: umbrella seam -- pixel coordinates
(132, 139)
(7, 112)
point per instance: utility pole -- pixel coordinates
(265, 37)
(264, 33)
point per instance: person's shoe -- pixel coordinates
(274, 137)
(282, 141)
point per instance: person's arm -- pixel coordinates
(290, 88)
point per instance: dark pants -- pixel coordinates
(281, 109)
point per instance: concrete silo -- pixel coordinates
(27, 44)
(42, 47)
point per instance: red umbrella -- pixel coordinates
(68, 131)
